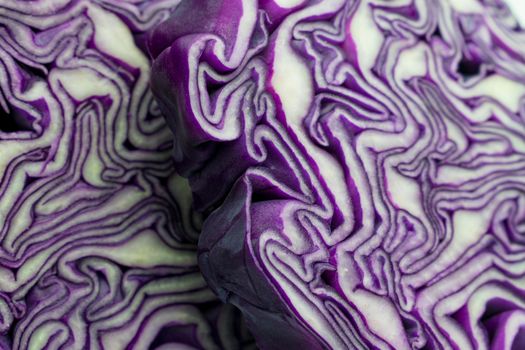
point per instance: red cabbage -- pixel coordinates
(98, 233)
(360, 166)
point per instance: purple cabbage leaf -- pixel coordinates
(360, 166)
(98, 234)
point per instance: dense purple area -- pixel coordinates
(360, 167)
(97, 232)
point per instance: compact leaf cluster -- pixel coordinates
(347, 174)
(360, 166)
(97, 233)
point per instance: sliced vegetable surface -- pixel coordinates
(98, 238)
(360, 166)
